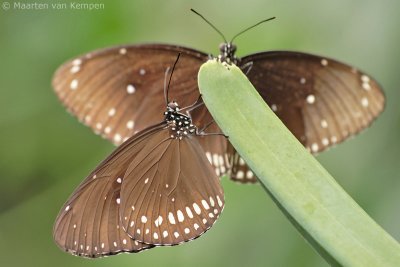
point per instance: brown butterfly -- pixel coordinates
(155, 189)
(119, 91)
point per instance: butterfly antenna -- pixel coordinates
(209, 23)
(166, 87)
(251, 27)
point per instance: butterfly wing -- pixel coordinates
(171, 193)
(89, 223)
(322, 101)
(119, 91)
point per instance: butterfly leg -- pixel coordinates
(202, 133)
(246, 68)
(193, 106)
(210, 134)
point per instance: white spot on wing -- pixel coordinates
(324, 62)
(314, 147)
(107, 130)
(74, 84)
(122, 51)
(208, 154)
(240, 174)
(215, 160)
(365, 78)
(364, 102)
(130, 89)
(144, 219)
(77, 62)
(249, 174)
(117, 138)
(75, 69)
(324, 124)
(325, 141)
(212, 202)
(205, 204)
(111, 112)
(88, 118)
(130, 125)
(189, 212)
(366, 86)
(219, 201)
(142, 72)
(310, 99)
(196, 208)
(158, 221)
(181, 218)
(171, 218)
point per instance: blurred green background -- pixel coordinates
(45, 153)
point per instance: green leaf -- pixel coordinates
(331, 221)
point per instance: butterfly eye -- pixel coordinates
(223, 48)
(232, 48)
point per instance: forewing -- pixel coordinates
(171, 193)
(89, 223)
(322, 101)
(120, 90)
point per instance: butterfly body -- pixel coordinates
(181, 124)
(227, 53)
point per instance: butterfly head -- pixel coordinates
(180, 124)
(227, 53)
